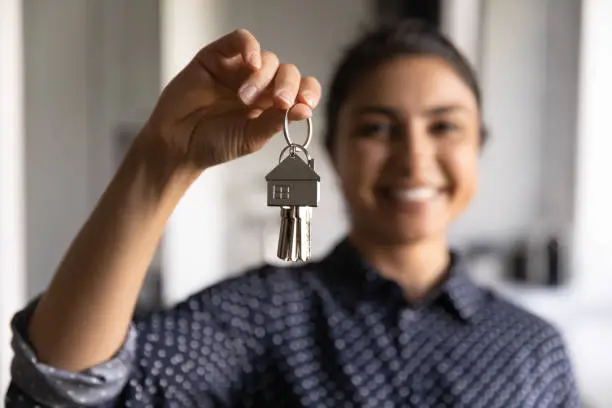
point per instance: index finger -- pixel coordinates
(239, 42)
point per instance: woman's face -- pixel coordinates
(407, 150)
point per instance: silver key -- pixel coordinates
(287, 245)
(284, 237)
(303, 215)
(293, 185)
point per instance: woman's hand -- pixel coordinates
(228, 102)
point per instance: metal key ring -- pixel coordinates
(286, 131)
(293, 147)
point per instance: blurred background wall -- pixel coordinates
(92, 70)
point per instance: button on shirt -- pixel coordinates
(328, 334)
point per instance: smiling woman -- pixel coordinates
(389, 318)
(405, 133)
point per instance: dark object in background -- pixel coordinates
(428, 10)
(553, 252)
(518, 263)
(539, 262)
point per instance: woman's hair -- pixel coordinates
(375, 47)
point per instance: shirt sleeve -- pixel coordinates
(37, 384)
(204, 352)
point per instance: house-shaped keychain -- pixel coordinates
(293, 183)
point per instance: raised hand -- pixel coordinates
(228, 102)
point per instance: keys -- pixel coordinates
(294, 239)
(293, 185)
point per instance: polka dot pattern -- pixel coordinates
(327, 334)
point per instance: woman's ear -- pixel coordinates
(330, 150)
(484, 135)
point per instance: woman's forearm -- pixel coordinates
(82, 319)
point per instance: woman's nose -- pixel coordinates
(414, 148)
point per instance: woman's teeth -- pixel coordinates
(418, 194)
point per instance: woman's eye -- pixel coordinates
(443, 127)
(374, 129)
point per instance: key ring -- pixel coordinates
(292, 147)
(288, 138)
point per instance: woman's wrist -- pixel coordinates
(163, 175)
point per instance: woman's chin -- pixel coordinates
(404, 225)
(411, 234)
(404, 233)
(409, 228)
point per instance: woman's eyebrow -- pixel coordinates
(376, 109)
(396, 115)
(442, 109)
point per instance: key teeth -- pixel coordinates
(294, 238)
(284, 256)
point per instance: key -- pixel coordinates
(303, 216)
(293, 185)
(284, 237)
(287, 245)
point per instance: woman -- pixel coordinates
(388, 319)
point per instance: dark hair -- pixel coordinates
(375, 47)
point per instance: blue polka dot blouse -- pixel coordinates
(328, 334)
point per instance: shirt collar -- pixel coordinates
(354, 279)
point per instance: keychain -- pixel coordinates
(293, 185)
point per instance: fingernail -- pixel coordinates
(286, 97)
(247, 94)
(254, 58)
(307, 99)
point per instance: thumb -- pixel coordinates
(272, 120)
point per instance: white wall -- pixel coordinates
(462, 22)
(123, 75)
(529, 81)
(594, 166)
(193, 251)
(90, 68)
(512, 79)
(12, 228)
(560, 112)
(56, 145)
(593, 217)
